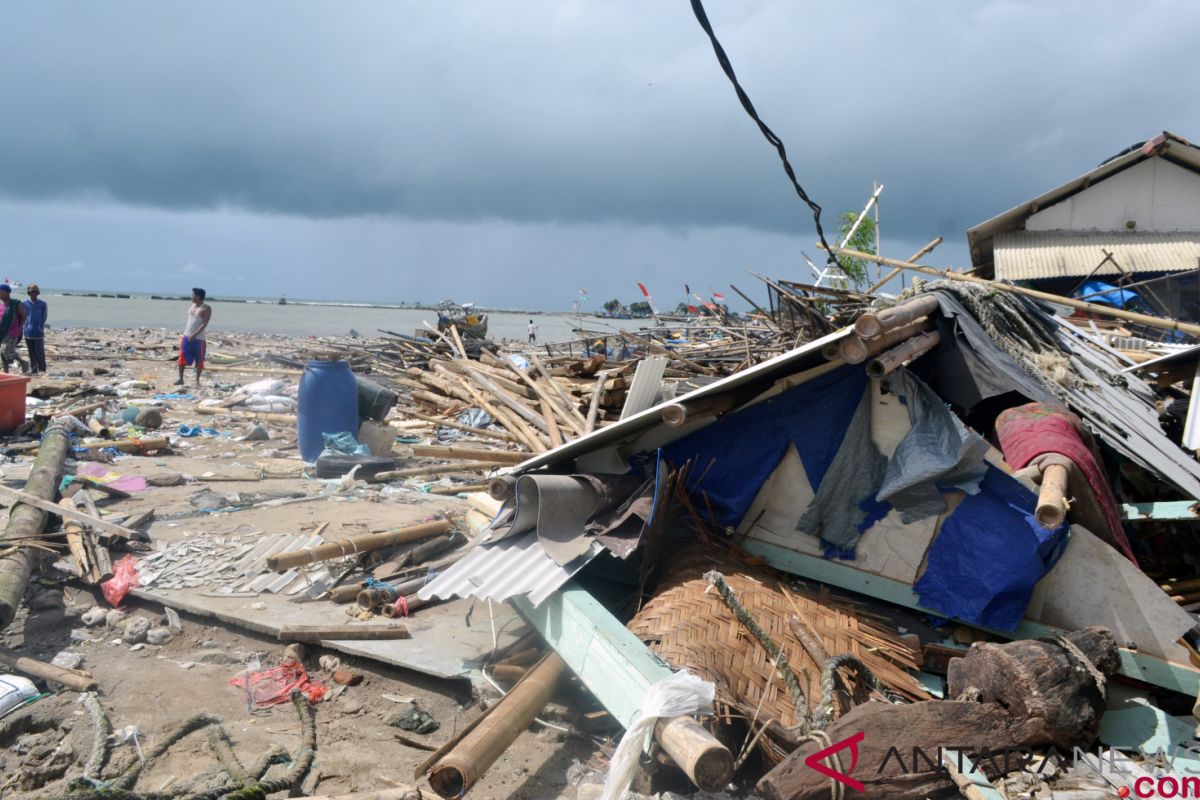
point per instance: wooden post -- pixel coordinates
(1052, 499)
(282, 562)
(459, 767)
(27, 522)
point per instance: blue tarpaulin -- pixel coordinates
(733, 457)
(984, 563)
(1106, 294)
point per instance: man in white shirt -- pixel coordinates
(192, 345)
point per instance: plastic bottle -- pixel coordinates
(328, 404)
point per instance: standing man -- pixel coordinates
(191, 346)
(11, 324)
(36, 315)
(532, 332)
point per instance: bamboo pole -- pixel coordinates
(507, 398)
(471, 395)
(705, 761)
(398, 793)
(450, 452)
(504, 437)
(315, 634)
(31, 499)
(460, 765)
(452, 490)
(259, 416)
(594, 408)
(1052, 498)
(71, 678)
(889, 361)
(664, 351)
(282, 562)
(578, 422)
(873, 324)
(854, 350)
(924, 251)
(1105, 311)
(435, 469)
(28, 522)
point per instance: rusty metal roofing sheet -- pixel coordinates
(1038, 255)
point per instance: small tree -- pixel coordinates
(613, 306)
(640, 309)
(863, 240)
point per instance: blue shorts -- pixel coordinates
(191, 351)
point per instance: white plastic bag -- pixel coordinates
(674, 696)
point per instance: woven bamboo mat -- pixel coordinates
(688, 624)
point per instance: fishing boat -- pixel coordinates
(464, 317)
(283, 300)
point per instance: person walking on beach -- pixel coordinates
(532, 332)
(36, 315)
(191, 346)
(11, 324)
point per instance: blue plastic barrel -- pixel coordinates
(328, 404)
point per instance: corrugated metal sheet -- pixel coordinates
(506, 570)
(1037, 255)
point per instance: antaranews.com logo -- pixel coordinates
(839, 760)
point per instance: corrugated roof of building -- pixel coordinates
(1167, 145)
(1038, 255)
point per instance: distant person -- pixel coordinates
(532, 332)
(11, 324)
(191, 346)
(36, 316)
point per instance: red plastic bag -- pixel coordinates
(125, 577)
(275, 685)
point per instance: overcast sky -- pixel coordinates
(512, 153)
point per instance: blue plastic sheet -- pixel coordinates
(344, 443)
(1106, 294)
(733, 457)
(984, 563)
(191, 431)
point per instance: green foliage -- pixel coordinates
(640, 309)
(863, 240)
(613, 306)
(681, 310)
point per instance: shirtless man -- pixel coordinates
(191, 346)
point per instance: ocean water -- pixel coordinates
(299, 319)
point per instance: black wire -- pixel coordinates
(776, 142)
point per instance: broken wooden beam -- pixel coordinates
(72, 678)
(451, 453)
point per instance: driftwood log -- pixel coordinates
(27, 522)
(1016, 695)
(1048, 691)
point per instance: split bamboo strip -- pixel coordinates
(504, 437)
(594, 408)
(260, 416)
(578, 421)
(924, 251)
(435, 469)
(315, 634)
(507, 399)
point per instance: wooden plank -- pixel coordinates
(613, 663)
(1139, 666)
(71, 513)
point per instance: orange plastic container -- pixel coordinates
(12, 402)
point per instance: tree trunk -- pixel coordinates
(26, 522)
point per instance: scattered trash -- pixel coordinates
(125, 577)
(275, 685)
(414, 720)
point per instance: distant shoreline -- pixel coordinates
(323, 303)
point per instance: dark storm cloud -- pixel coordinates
(582, 112)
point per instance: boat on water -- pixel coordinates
(462, 316)
(283, 300)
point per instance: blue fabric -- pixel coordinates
(1117, 298)
(989, 554)
(35, 319)
(191, 431)
(733, 457)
